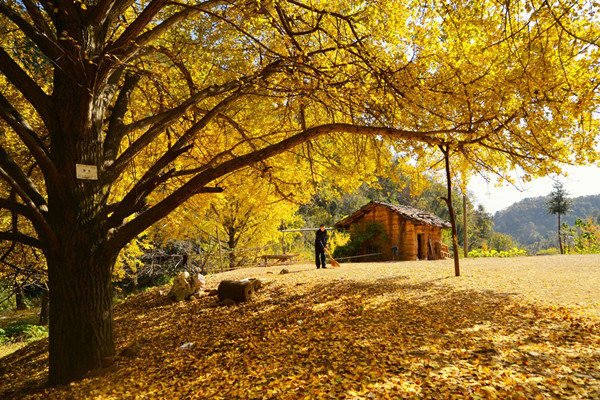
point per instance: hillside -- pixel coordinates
(363, 331)
(528, 221)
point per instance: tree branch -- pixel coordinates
(188, 11)
(37, 18)
(163, 208)
(35, 145)
(27, 86)
(163, 120)
(21, 238)
(18, 208)
(167, 117)
(21, 180)
(137, 26)
(99, 13)
(115, 131)
(43, 41)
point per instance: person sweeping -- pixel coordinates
(321, 238)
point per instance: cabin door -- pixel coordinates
(419, 246)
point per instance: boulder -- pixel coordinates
(185, 286)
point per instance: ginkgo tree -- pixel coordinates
(128, 109)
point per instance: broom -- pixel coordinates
(334, 263)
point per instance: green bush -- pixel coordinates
(514, 252)
(369, 234)
(22, 332)
(550, 251)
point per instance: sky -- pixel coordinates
(581, 181)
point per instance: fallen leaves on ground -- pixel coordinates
(364, 331)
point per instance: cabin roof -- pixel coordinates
(413, 214)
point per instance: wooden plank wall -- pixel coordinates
(409, 241)
(402, 234)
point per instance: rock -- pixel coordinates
(284, 271)
(185, 286)
(181, 287)
(236, 290)
(212, 292)
(228, 302)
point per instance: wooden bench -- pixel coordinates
(287, 258)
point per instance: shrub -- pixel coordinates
(514, 252)
(545, 252)
(22, 332)
(370, 234)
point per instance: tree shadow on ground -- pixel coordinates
(339, 339)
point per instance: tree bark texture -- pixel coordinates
(560, 243)
(81, 323)
(236, 290)
(79, 264)
(45, 311)
(448, 200)
(20, 299)
(465, 230)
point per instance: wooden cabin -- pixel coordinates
(413, 234)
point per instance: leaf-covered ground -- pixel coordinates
(507, 328)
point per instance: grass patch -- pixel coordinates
(10, 317)
(17, 328)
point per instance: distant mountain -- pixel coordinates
(529, 223)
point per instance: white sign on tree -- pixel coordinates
(86, 172)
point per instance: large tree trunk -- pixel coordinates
(81, 324)
(79, 263)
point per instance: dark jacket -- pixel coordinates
(321, 239)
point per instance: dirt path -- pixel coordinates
(557, 279)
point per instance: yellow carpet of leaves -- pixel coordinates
(522, 328)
